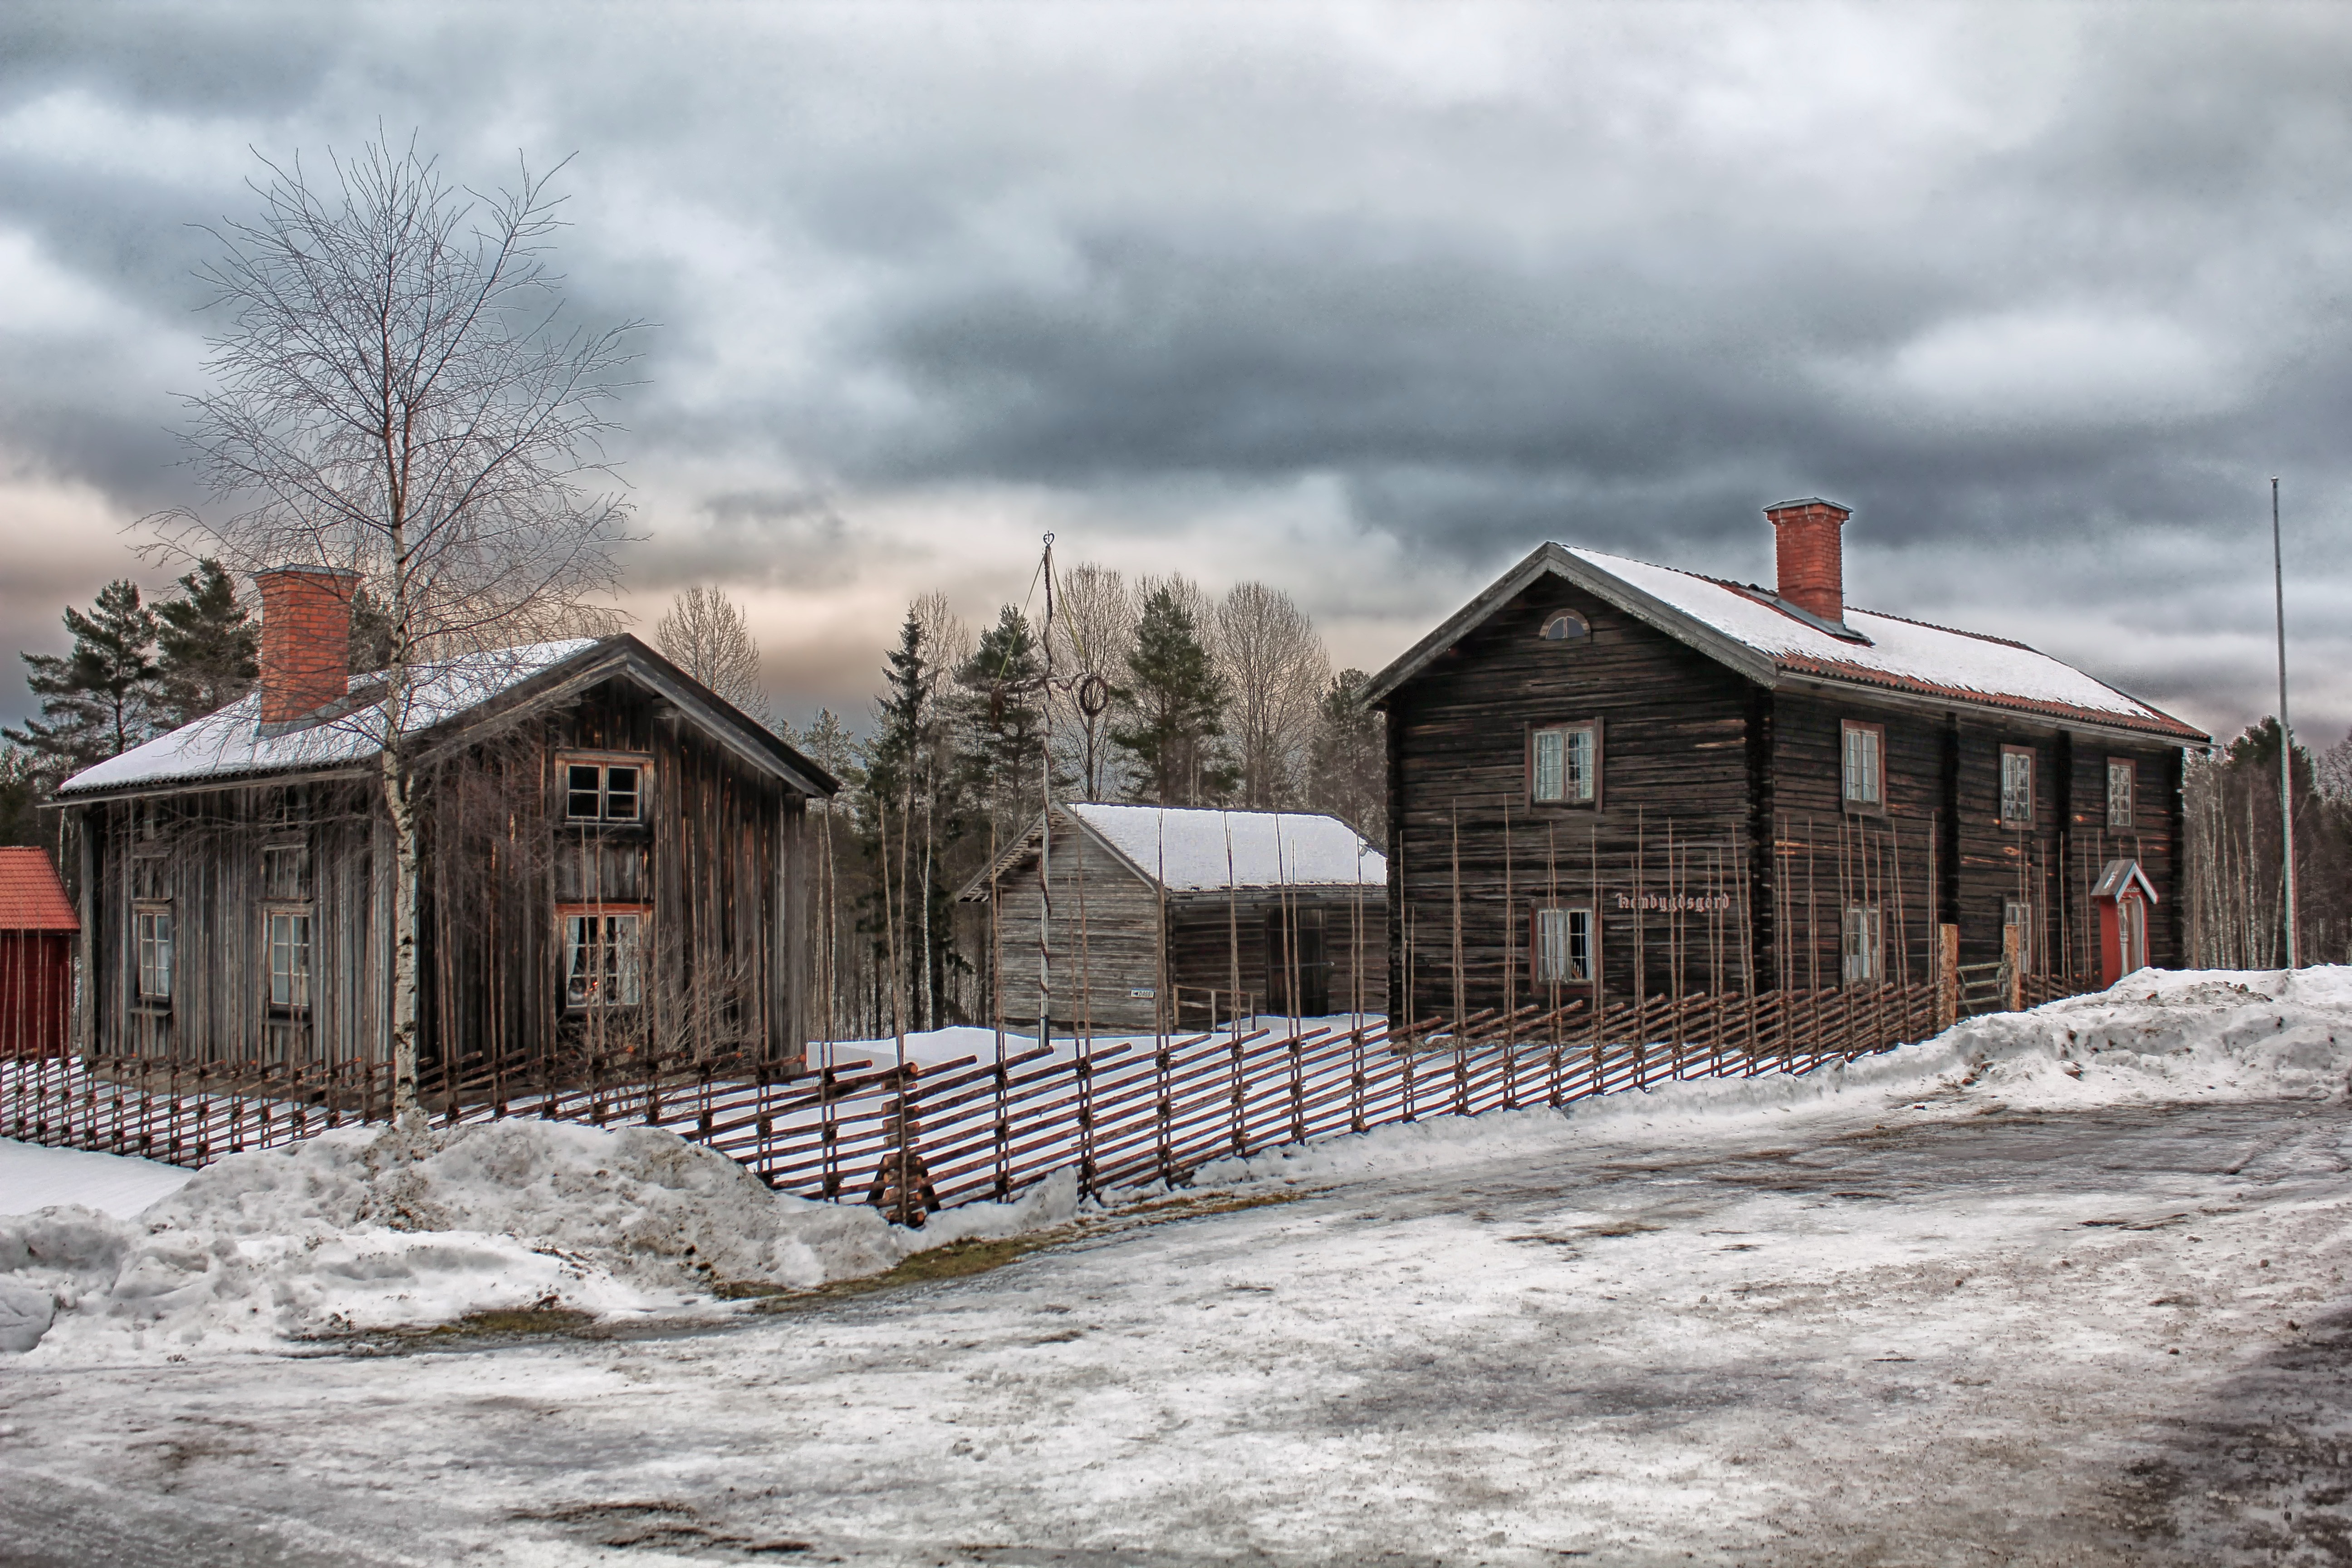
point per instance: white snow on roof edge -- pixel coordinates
(1191, 850)
(1898, 648)
(230, 742)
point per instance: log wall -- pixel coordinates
(715, 862)
(1721, 855)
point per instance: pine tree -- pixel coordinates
(96, 702)
(1002, 712)
(20, 797)
(1175, 704)
(371, 638)
(827, 742)
(911, 815)
(209, 645)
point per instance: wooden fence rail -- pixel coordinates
(924, 1136)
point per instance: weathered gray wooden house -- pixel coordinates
(614, 865)
(1157, 918)
(1604, 774)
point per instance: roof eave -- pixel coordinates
(2076, 721)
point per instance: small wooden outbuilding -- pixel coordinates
(1138, 918)
(39, 929)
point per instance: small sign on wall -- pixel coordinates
(1142, 992)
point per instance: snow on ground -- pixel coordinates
(368, 1229)
(1958, 1304)
(962, 1041)
(33, 1178)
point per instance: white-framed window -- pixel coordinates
(1566, 626)
(604, 957)
(2019, 912)
(152, 934)
(285, 942)
(601, 790)
(1864, 766)
(1564, 765)
(2122, 782)
(1564, 949)
(1863, 957)
(2016, 786)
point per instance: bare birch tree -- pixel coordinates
(704, 634)
(1094, 628)
(1275, 668)
(399, 394)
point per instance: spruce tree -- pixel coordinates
(1000, 709)
(99, 700)
(209, 645)
(1174, 705)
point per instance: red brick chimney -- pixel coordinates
(1811, 554)
(306, 639)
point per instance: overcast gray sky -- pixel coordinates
(1364, 301)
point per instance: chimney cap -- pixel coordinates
(1806, 501)
(259, 572)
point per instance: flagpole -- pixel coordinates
(2286, 734)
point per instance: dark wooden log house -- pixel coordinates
(613, 867)
(1606, 774)
(1168, 919)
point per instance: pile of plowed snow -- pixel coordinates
(369, 1229)
(2154, 1037)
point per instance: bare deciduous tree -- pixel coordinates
(1094, 628)
(704, 634)
(399, 395)
(1275, 668)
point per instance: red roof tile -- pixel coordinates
(31, 897)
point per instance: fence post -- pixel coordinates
(1947, 976)
(2011, 971)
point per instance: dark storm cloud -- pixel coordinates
(2045, 295)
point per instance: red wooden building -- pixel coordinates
(37, 931)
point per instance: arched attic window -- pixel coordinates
(1565, 626)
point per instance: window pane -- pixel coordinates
(1580, 763)
(300, 959)
(154, 931)
(585, 790)
(2016, 786)
(576, 985)
(2119, 795)
(1580, 944)
(621, 794)
(1549, 747)
(279, 939)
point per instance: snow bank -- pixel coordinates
(32, 1177)
(2154, 1037)
(367, 1229)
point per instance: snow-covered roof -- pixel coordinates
(1751, 630)
(1196, 851)
(1193, 851)
(233, 742)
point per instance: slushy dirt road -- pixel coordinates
(1928, 1333)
